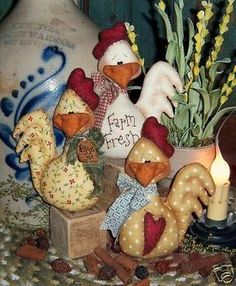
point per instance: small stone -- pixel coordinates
(59, 265)
(141, 272)
(106, 272)
(42, 243)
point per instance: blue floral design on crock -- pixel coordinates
(45, 100)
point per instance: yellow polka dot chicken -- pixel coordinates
(147, 225)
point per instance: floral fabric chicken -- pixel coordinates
(72, 180)
(147, 225)
(119, 119)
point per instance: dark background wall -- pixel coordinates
(149, 25)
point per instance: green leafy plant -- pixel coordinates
(202, 103)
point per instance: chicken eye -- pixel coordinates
(120, 63)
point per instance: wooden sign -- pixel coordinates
(87, 152)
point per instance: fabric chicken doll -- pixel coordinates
(146, 225)
(119, 119)
(71, 180)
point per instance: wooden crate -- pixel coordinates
(77, 234)
(110, 190)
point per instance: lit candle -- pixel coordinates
(218, 206)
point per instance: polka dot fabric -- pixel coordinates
(191, 187)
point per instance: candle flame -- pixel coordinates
(220, 170)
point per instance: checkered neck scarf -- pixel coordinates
(107, 92)
(133, 197)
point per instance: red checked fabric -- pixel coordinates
(107, 92)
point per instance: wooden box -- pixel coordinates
(110, 191)
(77, 234)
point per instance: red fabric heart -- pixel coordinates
(158, 134)
(153, 230)
(83, 86)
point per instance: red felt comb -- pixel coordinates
(158, 134)
(83, 86)
(109, 36)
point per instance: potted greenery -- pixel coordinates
(202, 103)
